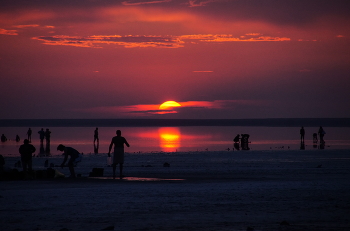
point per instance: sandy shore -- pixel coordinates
(253, 190)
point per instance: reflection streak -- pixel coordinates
(169, 138)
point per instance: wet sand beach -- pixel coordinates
(245, 190)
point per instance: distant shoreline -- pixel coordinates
(270, 122)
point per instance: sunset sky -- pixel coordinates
(219, 59)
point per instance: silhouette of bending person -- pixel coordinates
(302, 134)
(96, 136)
(75, 157)
(118, 157)
(29, 134)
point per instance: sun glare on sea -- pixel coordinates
(170, 138)
(169, 104)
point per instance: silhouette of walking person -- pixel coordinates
(29, 134)
(96, 136)
(302, 134)
(41, 135)
(118, 157)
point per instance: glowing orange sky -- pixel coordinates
(218, 59)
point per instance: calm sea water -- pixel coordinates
(174, 139)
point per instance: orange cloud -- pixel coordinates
(132, 41)
(153, 109)
(252, 37)
(135, 3)
(8, 32)
(195, 3)
(148, 110)
(127, 41)
(26, 26)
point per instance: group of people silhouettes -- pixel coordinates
(240, 142)
(44, 135)
(27, 150)
(315, 136)
(243, 140)
(320, 132)
(117, 141)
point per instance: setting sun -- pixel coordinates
(169, 104)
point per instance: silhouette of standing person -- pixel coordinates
(29, 134)
(302, 134)
(118, 157)
(236, 139)
(47, 135)
(75, 157)
(26, 150)
(41, 135)
(321, 133)
(96, 136)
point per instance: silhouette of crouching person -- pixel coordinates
(75, 157)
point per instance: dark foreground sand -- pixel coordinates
(276, 190)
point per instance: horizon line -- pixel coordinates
(267, 122)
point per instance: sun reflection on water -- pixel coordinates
(169, 138)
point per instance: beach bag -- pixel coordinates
(109, 161)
